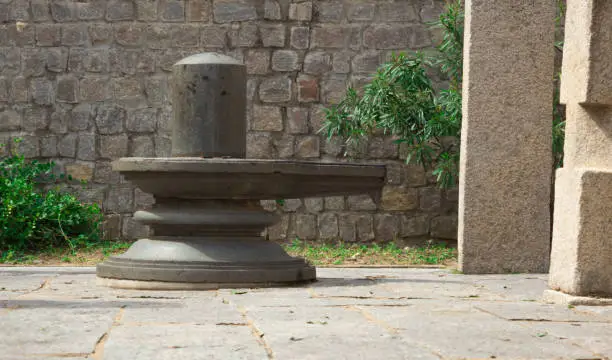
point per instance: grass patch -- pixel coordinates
(317, 254)
(374, 254)
(84, 256)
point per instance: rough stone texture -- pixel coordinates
(504, 191)
(581, 248)
(98, 74)
(404, 314)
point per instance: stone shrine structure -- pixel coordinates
(207, 219)
(581, 258)
(506, 160)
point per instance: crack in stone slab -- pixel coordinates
(58, 355)
(98, 351)
(393, 331)
(257, 333)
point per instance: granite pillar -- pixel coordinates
(506, 160)
(581, 257)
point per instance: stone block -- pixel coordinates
(334, 88)
(292, 205)
(142, 120)
(80, 117)
(111, 227)
(35, 118)
(411, 225)
(57, 60)
(67, 89)
(284, 145)
(332, 36)
(334, 203)
(48, 146)
(29, 147)
(226, 11)
(587, 76)
(130, 34)
(308, 89)
(48, 35)
(67, 146)
(401, 11)
(132, 229)
(386, 227)
(272, 10)
(306, 226)
(366, 62)
(329, 11)
(120, 199)
(127, 88)
(93, 10)
(199, 10)
(94, 89)
(399, 198)
(113, 146)
(581, 252)
(146, 10)
(10, 120)
(32, 60)
(120, 10)
(18, 90)
(317, 63)
(272, 35)
(100, 33)
(285, 60)
(40, 10)
(444, 227)
(258, 62)
(267, 118)
(300, 37)
(244, 35)
(157, 36)
(141, 146)
(104, 173)
(156, 90)
(59, 120)
(276, 89)
(385, 36)
(187, 36)
(80, 171)
(301, 11)
(163, 146)
(341, 62)
(74, 35)
(86, 149)
(172, 10)
(588, 141)
(430, 198)
(307, 147)
(313, 205)
(259, 146)
(63, 11)
(297, 121)
(361, 11)
(110, 119)
(42, 91)
(382, 147)
(513, 234)
(361, 202)
(328, 226)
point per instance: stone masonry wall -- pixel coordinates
(84, 82)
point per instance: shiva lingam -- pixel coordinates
(207, 221)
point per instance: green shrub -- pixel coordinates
(401, 101)
(32, 218)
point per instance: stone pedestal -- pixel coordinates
(207, 220)
(506, 160)
(581, 257)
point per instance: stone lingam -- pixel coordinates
(207, 221)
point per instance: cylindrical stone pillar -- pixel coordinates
(209, 105)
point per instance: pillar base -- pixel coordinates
(203, 264)
(558, 297)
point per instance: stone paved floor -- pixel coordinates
(59, 313)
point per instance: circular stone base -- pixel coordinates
(170, 286)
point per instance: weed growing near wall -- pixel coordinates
(32, 218)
